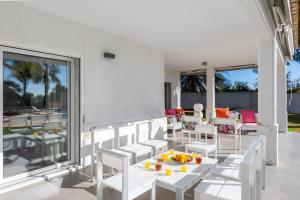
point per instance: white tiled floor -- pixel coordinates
(283, 181)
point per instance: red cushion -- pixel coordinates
(248, 116)
(171, 112)
(222, 112)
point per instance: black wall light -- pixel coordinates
(109, 55)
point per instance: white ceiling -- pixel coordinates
(188, 31)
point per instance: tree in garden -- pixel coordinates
(39, 73)
(241, 86)
(222, 83)
(23, 72)
(49, 75)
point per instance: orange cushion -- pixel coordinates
(222, 112)
(179, 111)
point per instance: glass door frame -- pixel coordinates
(71, 106)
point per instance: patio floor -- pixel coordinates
(283, 181)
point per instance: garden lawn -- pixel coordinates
(294, 123)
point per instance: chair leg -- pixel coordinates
(99, 191)
(99, 184)
(216, 154)
(234, 143)
(174, 133)
(135, 159)
(153, 191)
(240, 140)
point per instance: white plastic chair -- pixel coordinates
(237, 131)
(190, 119)
(204, 147)
(218, 188)
(144, 138)
(130, 183)
(131, 146)
(173, 124)
(106, 136)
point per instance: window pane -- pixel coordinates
(36, 130)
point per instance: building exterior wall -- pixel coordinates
(126, 89)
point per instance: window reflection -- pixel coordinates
(35, 112)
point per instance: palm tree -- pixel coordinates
(23, 72)
(36, 72)
(49, 75)
(197, 83)
(193, 83)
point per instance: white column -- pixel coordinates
(267, 97)
(210, 98)
(282, 115)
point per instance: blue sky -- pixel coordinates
(247, 75)
(38, 89)
(294, 67)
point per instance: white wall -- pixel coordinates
(125, 89)
(129, 88)
(172, 76)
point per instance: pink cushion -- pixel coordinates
(248, 116)
(171, 112)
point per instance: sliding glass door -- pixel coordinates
(36, 112)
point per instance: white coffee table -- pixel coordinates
(178, 182)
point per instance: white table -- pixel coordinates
(48, 146)
(178, 182)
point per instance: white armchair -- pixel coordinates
(236, 131)
(249, 126)
(173, 124)
(219, 188)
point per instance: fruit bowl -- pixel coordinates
(182, 158)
